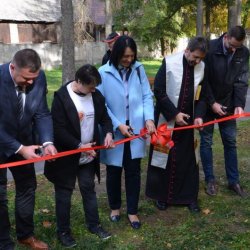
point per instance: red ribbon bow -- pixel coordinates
(162, 136)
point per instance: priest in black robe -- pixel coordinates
(177, 88)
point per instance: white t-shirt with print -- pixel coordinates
(86, 113)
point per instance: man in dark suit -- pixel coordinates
(23, 107)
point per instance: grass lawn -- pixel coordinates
(223, 224)
(54, 81)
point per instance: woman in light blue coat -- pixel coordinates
(130, 106)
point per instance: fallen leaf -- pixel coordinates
(45, 210)
(47, 224)
(206, 211)
(169, 245)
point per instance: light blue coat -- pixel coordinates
(140, 109)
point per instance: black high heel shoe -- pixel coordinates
(134, 224)
(115, 218)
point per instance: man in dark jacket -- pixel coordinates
(23, 108)
(227, 63)
(110, 40)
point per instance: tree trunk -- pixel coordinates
(108, 19)
(208, 10)
(234, 13)
(199, 18)
(163, 47)
(68, 44)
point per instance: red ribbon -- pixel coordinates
(162, 137)
(70, 152)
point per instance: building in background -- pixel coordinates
(29, 21)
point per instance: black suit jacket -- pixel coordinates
(67, 133)
(13, 132)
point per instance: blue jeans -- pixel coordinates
(228, 135)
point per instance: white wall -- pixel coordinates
(51, 54)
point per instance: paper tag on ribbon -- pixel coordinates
(160, 152)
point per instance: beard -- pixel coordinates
(191, 63)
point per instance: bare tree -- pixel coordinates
(109, 19)
(82, 19)
(234, 13)
(68, 45)
(199, 18)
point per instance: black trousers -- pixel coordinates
(132, 171)
(86, 177)
(25, 182)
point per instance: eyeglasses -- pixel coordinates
(233, 46)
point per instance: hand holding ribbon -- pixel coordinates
(162, 136)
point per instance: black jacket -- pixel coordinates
(67, 134)
(226, 83)
(106, 57)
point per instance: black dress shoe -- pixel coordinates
(238, 190)
(115, 218)
(194, 207)
(66, 240)
(134, 224)
(100, 232)
(161, 205)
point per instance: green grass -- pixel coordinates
(54, 81)
(151, 66)
(226, 226)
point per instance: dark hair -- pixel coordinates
(238, 32)
(111, 37)
(119, 48)
(198, 43)
(27, 58)
(88, 74)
